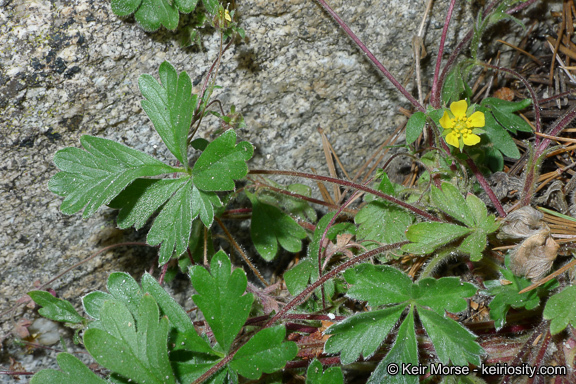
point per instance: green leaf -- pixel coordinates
(264, 353)
(505, 105)
(314, 374)
(511, 121)
(298, 277)
(499, 137)
(560, 309)
(170, 105)
(221, 298)
(403, 352)
(361, 334)
(54, 308)
(136, 350)
(506, 296)
(125, 289)
(270, 227)
(474, 244)
(73, 372)
(451, 340)
(453, 86)
(450, 201)
(142, 198)
(177, 317)
(221, 163)
(444, 294)
(414, 126)
(93, 302)
(211, 6)
(203, 204)
(428, 236)
(383, 223)
(173, 224)
(292, 205)
(94, 177)
(153, 13)
(124, 7)
(378, 284)
(186, 6)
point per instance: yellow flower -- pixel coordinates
(227, 15)
(459, 128)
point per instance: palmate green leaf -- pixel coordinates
(221, 163)
(170, 105)
(561, 310)
(414, 126)
(445, 294)
(403, 352)
(94, 177)
(133, 347)
(503, 111)
(73, 372)
(506, 296)
(187, 337)
(383, 223)
(270, 227)
(314, 374)
(221, 298)
(264, 353)
(452, 342)
(54, 308)
(361, 334)
(428, 236)
(173, 224)
(450, 201)
(378, 284)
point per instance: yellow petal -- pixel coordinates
(227, 15)
(476, 120)
(446, 122)
(470, 139)
(459, 108)
(452, 139)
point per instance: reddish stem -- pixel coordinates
(372, 58)
(346, 183)
(436, 101)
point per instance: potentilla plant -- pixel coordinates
(347, 300)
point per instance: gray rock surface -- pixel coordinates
(69, 68)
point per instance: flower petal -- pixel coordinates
(471, 139)
(476, 120)
(446, 122)
(452, 139)
(459, 108)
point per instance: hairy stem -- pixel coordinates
(435, 83)
(484, 183)
(346, 183)
(371, 56)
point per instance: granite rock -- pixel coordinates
(69, 68)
